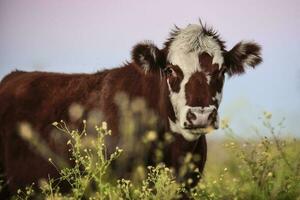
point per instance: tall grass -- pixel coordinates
(266, 167)
(87, 178)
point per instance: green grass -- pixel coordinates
(260, 168)
(265, 166)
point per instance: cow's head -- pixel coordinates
(194, 61)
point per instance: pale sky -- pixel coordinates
(86, 36)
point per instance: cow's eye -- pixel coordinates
(169, 72)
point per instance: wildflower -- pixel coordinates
(25, 131)
(55, 123)
(188, 157)
(43, 183)
(267, 115)
(75, 111)
(169, 137)
(224, 123)
(202, 186)
(151, 136)
(104, 125)
(120, 150)
(270, 174)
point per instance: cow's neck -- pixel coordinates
(157, 97)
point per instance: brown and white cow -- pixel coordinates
(182, 83)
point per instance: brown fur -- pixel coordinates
(41, 98)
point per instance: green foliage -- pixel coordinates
(255, 169)
(87, 179)
(265, 168)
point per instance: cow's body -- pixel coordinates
(40, 98)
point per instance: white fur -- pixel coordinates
(190, 42)
(183, 52)
(250, 60)
(175, 127)
(202, 113)
(152, 51)
(145, 63)
(208, 78)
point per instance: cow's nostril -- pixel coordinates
(190, 116)
(185, 124)
(213, 115)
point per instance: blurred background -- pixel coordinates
(86, 36)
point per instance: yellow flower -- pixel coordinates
(25, 131)
(202, 186)
(104, 125)
(55, 123)
(267, 115)
(151, 136)
(270, 174)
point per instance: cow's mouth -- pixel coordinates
(200, 131)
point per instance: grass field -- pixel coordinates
(258, 168)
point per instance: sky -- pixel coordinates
(86, 36)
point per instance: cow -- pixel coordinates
(181, 82)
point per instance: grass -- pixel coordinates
(264, 167)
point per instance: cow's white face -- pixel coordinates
(195, 80)
(195, 62)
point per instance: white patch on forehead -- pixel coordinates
(188, 44)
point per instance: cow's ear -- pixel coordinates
(148, 56)
(242, 55)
